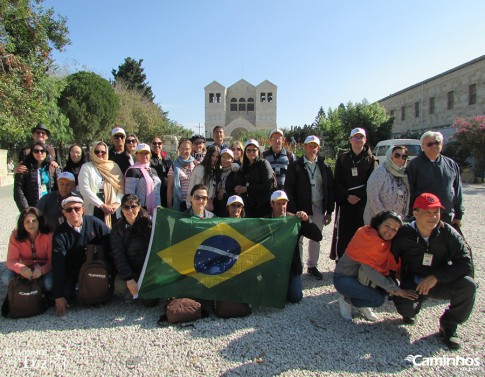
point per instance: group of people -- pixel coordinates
(109, 200)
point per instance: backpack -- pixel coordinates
(25, 298)
(95, 280)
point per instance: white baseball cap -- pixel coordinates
(234, 199)
(356, 131)
(276, 131)
(279, 195)
(66, 175)
(142, 147)
(251, 141)
(228, 151)
(118, 130)
(312, 139)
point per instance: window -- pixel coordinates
(211, 97)
(250, 104)
(472, 94)
(403, 113)
(233, 104)
(270, 97)
(218, 97)
(242, 104)
(431, 105)
(416, 109)
(451, 100)
(263, 97)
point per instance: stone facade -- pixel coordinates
(434, 103)
(240, 107)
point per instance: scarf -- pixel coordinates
(397, 172)
(150, 193)
(111, 181)
(178, 164)
(368, 248)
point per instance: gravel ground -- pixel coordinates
(306, 339)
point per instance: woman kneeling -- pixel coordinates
(363, 274)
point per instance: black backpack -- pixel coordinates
(95, 280)
(25, 298)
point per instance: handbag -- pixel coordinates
(229, 309)
(179, 310)
(25, 298)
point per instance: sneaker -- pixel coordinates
(345, 308)
(408, 320)
(450, 338)
(315, 273)
(368, 313)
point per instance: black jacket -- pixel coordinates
(260, 178)
(123, 159)
(129, 246)
(299, 191)
(26, 188)
(161, 165)
(69, 250)
(450, 255)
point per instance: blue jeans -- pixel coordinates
(360, 295)
(295, 290)
(46, 279)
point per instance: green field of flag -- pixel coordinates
(241, 260)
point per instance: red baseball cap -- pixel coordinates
(427, 201)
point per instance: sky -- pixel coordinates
(318, 53)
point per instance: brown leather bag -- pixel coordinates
(183, 310)
(228, 309)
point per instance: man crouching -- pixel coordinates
(435, 262)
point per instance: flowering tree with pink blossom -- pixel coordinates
(470, 132)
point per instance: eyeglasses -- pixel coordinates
(130, 208)
(251, 150)
(130, 141)
(39, 151)
(201, 197)
(97, 152)
(70, 209)
(119, 136)
(157, 143)
(399, 155)
(431, 143)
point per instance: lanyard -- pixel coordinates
(34, 253)
(312, 172)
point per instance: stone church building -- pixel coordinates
(240, 107)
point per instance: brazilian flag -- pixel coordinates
(240, 260)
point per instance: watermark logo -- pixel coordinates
(444, 361)
(35, 359)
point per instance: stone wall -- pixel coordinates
(5, 177)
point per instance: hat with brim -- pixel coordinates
(251, 142)
(312, 139)
(142, 147)
(41, 127)
(234, 199)
(71, 199)
(276, 131)
(66, 175)
(197, 139)
(427, 201)
(357, 131)
(279, 195)
(227, 151)
(118, 131)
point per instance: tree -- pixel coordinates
(130, 73)
(470, 132)
(139, 115)
(336, 127)
(91, 105)
(28, 34)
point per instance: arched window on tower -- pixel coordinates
(211, 97)
(270, 97)
(242, 104)
(233, 104)
(250, 104)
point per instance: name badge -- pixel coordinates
(355, 173)
(277, 170)
(400, 192)
(60, 219)
(427, 259)
(313, 183)
(43, 189)
(247, 184)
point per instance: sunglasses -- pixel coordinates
(130, 141)
(157, 143)
(119, 136)
(399, 155)
(130, 208)
(251, 150)
(70, 209)
(201, 197)
(39, 151)
(98, 152)
(430, 144)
